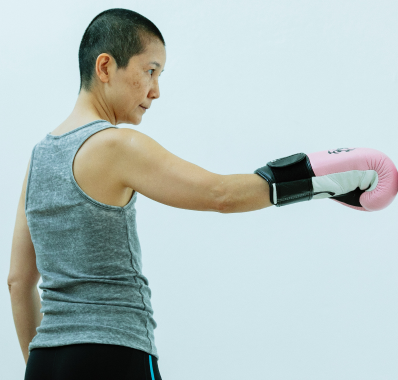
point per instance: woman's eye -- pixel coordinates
(151, 71)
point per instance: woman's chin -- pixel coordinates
(135, 120)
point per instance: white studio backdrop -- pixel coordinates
(303, 292)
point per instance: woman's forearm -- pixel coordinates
(243, 193)
(26, 305)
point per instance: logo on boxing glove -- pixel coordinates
(340, 150)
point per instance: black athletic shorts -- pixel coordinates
(91, 361)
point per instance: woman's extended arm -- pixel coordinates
(145, 166)
(360, 178)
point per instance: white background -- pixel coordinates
(307, 291)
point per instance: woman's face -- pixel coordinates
(130, 91)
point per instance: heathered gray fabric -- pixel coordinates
(88, 254)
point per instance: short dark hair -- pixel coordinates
(118, 32)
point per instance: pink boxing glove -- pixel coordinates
(361, 178)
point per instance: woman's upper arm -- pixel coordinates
(23, 268)
(145, 166)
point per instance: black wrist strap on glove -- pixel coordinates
(292, 178)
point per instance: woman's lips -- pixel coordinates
(143, 108)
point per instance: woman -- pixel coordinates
(76, 224)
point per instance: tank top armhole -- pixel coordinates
(29, 175)
(80, 190)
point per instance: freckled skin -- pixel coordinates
(116, 94)
(126, 89)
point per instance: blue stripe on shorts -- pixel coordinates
(150, 365)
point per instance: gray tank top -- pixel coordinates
(88, 254)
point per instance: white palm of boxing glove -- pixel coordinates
(360, 178)
(342, 183)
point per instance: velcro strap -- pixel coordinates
(294, 191)
(291, 168)
(288, 169)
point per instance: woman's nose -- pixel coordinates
(154, 93)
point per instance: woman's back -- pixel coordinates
(87, 248)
